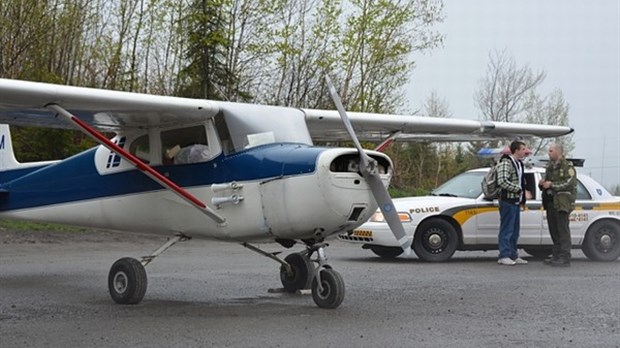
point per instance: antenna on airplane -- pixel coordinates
(368, 169)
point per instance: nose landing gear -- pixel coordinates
(298, 273)
(326, 284)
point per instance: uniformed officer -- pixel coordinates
(559, 192)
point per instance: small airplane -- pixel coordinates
(243, 173)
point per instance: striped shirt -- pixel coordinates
(510, 179)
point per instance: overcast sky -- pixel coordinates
(576, 42)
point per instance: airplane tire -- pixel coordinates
(333, 289)
(303, 271)
(127, 281)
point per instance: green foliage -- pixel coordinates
(270, 52)
(396, 192)
(39, 144)
(206, 74)
(22, 225)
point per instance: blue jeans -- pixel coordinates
(509, 216)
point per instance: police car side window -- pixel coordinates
(582, 193)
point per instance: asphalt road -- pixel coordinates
(53, 293)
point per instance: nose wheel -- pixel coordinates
(328, 289)
(299, 273)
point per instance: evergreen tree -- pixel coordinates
(206, 74)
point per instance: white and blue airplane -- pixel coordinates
(236, 172)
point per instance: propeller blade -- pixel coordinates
(389, 211)
(364, 159)
(368, 168)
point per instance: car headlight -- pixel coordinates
(378, 217)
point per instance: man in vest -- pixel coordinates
(559, 192)
(511, 180)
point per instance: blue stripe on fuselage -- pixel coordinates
(76, 178)
(8, 175)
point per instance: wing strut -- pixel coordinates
(387, 142)
(146, 169)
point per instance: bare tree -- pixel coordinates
(435, 106)
(553, 110)
(501, 94)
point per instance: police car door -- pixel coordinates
(531, 218)
(532, 215)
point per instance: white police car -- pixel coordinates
(457, 217)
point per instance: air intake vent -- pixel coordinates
(355, 214)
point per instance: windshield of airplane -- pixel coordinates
(247, 126)
(467, 185)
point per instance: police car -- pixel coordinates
(457, 217)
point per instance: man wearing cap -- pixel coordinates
(511, 180)
(559, 188)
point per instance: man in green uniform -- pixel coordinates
(559, 191)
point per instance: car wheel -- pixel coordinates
(538, 253)
(386, 252)
(602, 241)
(435, 240)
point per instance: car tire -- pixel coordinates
(602, 241)
(435, 240)
(385, 252)
(538, 253)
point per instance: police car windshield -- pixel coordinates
(465, 185)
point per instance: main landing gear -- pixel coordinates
(127, 278)
(298, 273)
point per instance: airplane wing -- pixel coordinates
(325, 125)
(24, 103)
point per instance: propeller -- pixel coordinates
(369, 170)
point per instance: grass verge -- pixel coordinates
(21, 225)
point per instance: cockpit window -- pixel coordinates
(244, 126)
(185, 145)
(140, 148)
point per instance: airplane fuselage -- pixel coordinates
(287, 191)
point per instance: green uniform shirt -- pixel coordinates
(563, 189)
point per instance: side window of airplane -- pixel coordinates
(185, 145)
(140, 148)
(114, 160)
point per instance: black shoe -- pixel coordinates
(560, 263)
(549, 260)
